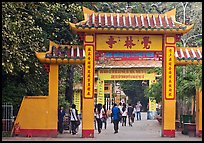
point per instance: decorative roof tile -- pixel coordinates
(62, 54)
(131, 21)
(188, 53)
(66, 52)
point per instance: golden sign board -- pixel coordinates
(152, 104)
(100, 90)
(126, 74)
(77, 100)
(108, 42)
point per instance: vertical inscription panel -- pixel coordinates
(170, 81)
(89, 71)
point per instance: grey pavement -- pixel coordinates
(143, 130)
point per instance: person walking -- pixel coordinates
(74, 118)
(120, 107)
(61, 114)
(115, 117)
(148, 112)
(124, 115)
(99, 115)
(138, 110)
(95, 122)
(130, 113)
(104, 117)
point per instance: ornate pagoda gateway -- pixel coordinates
(108, 33)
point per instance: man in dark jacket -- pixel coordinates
(130, 113)
(61, 114)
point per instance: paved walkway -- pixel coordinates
(144, 130)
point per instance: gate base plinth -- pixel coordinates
(87, 133)
(168, 133)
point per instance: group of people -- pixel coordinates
(100, 117)
(122, 112)
(130, 112)
(119, 114)
(74, 118)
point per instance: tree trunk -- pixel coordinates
(69, 84)
(178, 109)
(193, 110)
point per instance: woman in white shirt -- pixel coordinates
(99, 115)
(124, 115)
(74, 118)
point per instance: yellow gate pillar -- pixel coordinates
(88, 88)
(198, 112)
(53, 98)
(168, 87)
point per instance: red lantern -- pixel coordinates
(81, 36)
(178, 37)
(47, 67)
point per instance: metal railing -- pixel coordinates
(7, 117)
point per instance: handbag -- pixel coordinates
(78, 122)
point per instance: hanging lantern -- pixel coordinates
(81, 36)
(178, 37)
(47, 67)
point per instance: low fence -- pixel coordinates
(7, 117)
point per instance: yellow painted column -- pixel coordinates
(198, 112)
(53, 98)
(88, 88)
(168, 87)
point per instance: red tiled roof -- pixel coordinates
(188, 53)
(66, 51)
(130, 21)
(62, 54)
(133, 21)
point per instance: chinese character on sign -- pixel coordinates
(111, 41)
(146, 42)
(129, 42)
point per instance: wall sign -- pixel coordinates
(128, 42)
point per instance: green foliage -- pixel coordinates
(155, 90)
(134, 90)
(27, 27)
(63, 102)
(6, 134)
(178, 44)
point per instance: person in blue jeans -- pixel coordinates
(138, 110)
(148, 112)
(115, 117)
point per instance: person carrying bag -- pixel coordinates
(75, 121)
